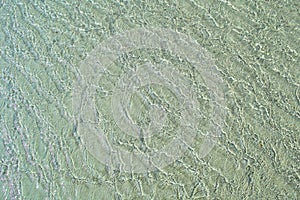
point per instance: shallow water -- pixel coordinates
(254, 49)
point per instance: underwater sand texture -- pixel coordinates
(144, 158)
(255, 50)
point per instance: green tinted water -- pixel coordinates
(255, 47)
